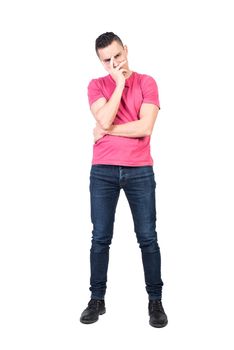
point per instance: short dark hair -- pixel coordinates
(105, 40)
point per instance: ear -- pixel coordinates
(126, 49)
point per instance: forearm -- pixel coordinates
(106, 114)
(136, 128)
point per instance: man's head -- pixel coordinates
(109, 44)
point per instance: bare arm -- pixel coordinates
(105, 112)
(137, 128)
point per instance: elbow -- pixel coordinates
(148, 132)
(105, 126)
(146, 128)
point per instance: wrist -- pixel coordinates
(120, 86)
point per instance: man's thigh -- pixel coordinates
(104, 194)
(140, 189)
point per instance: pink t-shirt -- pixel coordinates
(121, 150)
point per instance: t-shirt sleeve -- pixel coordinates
(150, 90)
(94, 91)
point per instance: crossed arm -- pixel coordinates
(139, 128)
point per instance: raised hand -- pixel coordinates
(117, 72)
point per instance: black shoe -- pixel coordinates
(92, 312)
(158, 318)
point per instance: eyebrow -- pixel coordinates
(108, 59)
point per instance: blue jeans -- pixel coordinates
(138, 183)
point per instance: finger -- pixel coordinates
(112, 62)
(121, 64)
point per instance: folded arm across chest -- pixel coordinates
(139, 128)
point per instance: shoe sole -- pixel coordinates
(88, 322)
(158, 325)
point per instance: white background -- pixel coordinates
(47, 59)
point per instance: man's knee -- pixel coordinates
(100, 246)
(149, 245)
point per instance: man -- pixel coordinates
(125, 105)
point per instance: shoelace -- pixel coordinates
(156, 306)
(93, 304)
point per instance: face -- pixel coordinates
(116, 50)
